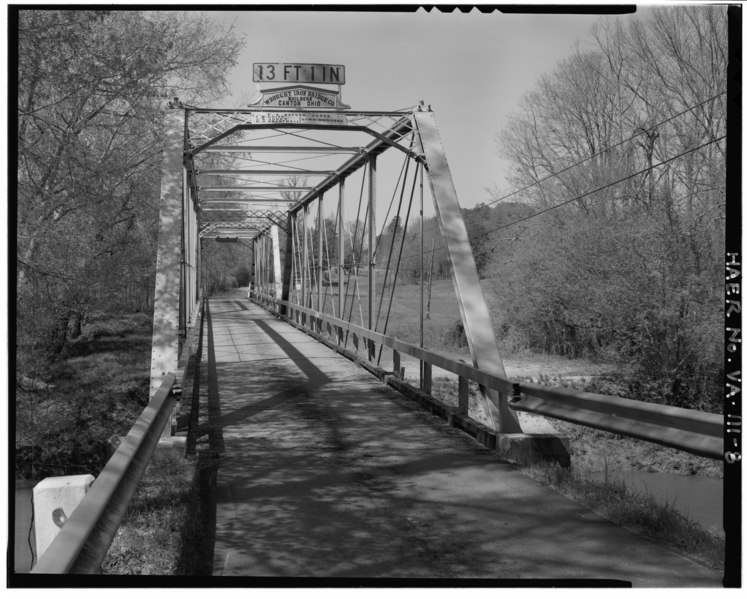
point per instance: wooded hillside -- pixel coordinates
(620, 152)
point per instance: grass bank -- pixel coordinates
(594, 451)
(638, 512)
(150, 539)
(67, 410)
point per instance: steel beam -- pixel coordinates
(183, 271)
(205, 201)
(371, 240)
(340, 248)
(252, 188)
(286, 149)
(165, 346)
(474, 311)
(422, 268)
(376, 147)
(303, 126)
(288, 265)
(305, 258)
(264, 172)
(320, 251)
(275, 237)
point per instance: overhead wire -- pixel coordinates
(553, 175)
(593, 191)
(601, 188)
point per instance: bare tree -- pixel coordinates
(92, 88)
(620, 154)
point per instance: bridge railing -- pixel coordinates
(699, 433)
(81, 545)
(84, 540)
(693, 431)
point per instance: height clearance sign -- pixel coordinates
(280, 72)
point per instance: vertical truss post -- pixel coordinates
(270, 264)
(261, 261)
(165, 347)
(276, 260)
(190, 246)
(260, 265)
(422, 270)
(340, 254)
(304, 261)
(265, 270)
(288, 265)
(255, 259)
(474, 311)
(199, 277)
(263, 256)
(371, 241)
(320, 252)
(266, 256)
(190, 257)
(183, 270)
(195, 257)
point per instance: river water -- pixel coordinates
(699, 498)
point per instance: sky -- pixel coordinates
(471, 68)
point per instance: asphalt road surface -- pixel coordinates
(325, 472)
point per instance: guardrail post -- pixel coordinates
(396, 363)
(463, 396)
(55, 498)
(427, 383)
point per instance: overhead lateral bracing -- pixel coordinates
(223, 156)
(251, 174)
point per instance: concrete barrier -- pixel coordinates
(55, 499)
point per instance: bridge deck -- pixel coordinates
(325, 472)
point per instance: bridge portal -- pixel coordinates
(296, 175)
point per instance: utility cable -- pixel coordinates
(596, 154)
(603, 187)
(593, 191)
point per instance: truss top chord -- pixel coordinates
(252, 188)
(263, 172)
(286, 149)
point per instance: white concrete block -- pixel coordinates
(55, 499)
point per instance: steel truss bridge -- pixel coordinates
(302, 188)
(249, 174)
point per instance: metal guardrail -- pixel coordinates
(693, 431)
(81, 545)
(700, 433)
(366, 337)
